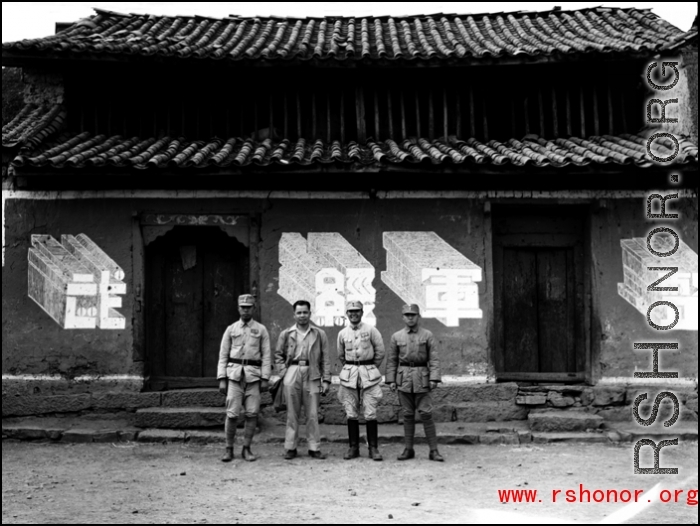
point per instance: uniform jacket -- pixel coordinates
(360, 344)
(251, 342)
(415, 345)
(318, 353)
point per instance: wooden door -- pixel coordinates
(539, 283)
(194, 277)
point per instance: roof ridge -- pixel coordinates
(100, 11)
(405, 39)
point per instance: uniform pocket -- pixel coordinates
(237, 339)
(373, 373)
(345, 374)
(425, 378)
(423, 347)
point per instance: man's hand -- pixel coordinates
(325, 387)
(264, 386)
(433, 385)
(223, 386)
(392, 386)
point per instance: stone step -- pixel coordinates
(180, 417)
(510, 433)
(192, 398)
(564, 421)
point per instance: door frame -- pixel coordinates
(581, 210)
(147, 226)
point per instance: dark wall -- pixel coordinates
(461, 224)
(33, 343)
(619, 324)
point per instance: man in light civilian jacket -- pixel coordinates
(302, 360)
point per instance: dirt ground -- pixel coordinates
(142, 483)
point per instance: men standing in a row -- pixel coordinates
(302, 360)
(361, 351)
(243, 371)
(413, 368)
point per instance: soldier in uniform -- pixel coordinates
(243, 372)
(413, 368)
(361, 351)
(302, 360)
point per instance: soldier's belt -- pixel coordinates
(254, 363)
(414, 364)
(361, 362)
(301, 363)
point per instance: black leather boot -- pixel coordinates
(407, 454)
(248, 455)
(373, 440)
(228, 455)
(354, 440)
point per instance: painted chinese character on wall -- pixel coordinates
(75, 282)
(423, 268)
(637, 277)
(327, 271)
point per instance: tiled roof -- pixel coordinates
(44, 142)
(32, 124)
(424, 37)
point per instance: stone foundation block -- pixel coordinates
(558, 400)
(531, 399)
(564, 421)
(193, 398)
(606, 396)
(79, 436)
(127, 401)
(457, 394)
(490, 412)
(41, 405)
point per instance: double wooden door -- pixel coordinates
(539, 281)
(194, 277)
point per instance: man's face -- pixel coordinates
(355, 316)
(411, 320)
(246, 312)
(302, 315)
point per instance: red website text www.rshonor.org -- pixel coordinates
(689, 497)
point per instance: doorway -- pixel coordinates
(539, 293)
(194, 276)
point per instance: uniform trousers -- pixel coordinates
(350, 398)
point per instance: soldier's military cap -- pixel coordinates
(411, 309)
(353, 305)
(246, 300)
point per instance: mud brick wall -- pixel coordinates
(36, 347)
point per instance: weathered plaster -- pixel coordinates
(34, 345)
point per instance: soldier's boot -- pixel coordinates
(431, 436)
(230, 431)
(436, 456)
(228, 455)
(407, 454)
(247, 454)
(353, 439)
(373, 440)
(409, 431)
